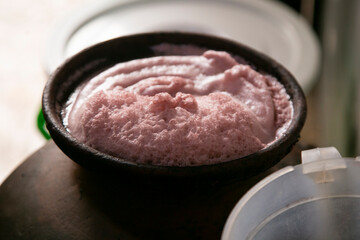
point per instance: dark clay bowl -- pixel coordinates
(99, 57)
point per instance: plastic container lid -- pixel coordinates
(267, 26)
(319, 199)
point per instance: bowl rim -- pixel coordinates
(65, 140)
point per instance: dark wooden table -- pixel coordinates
(51, 197)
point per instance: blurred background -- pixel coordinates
(316, 40)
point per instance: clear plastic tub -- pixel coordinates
(319, 199)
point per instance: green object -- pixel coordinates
(42, 126)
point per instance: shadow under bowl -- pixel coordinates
(97, 58)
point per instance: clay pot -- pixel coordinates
(97, 58)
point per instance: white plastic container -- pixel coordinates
(319, 199)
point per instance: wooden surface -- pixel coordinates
(51, 197)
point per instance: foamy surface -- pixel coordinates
(179, 110)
